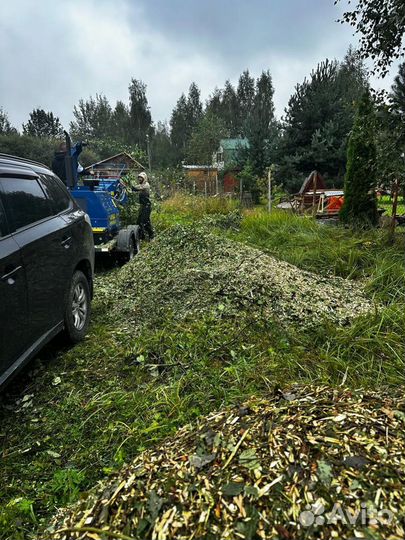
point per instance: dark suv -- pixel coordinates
(46, 262)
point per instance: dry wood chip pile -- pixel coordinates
(188, 271)
(312, 462)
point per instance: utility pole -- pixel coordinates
(148, 151)
(269, 175)
(315, 181)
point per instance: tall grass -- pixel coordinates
(330, 249)
(198, 206)
(187, 209)
(386, 203)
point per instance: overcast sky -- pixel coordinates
(54, 52)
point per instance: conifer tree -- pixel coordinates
(140, 118)
(194, 108)
(43, 124)
(360, 206)
(179, 128)
(397, 98)
(245, 95)
(5, 126)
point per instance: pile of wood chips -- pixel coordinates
(310, 462)
(188, 272)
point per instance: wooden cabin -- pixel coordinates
(202, 179)
(115, 166)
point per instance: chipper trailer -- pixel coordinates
(102, 200)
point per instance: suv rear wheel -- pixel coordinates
(77, 311)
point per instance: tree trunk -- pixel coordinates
(394, 191)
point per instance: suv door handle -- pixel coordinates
(66, 242)
(9, 277)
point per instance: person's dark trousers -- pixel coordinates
(144, 221)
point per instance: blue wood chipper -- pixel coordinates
(102, 199)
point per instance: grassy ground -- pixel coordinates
(80, 413)
(386, 203)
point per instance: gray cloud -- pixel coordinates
(54, 52)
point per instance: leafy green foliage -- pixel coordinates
(182, 208)
(36, 148)
(110, 131)
(91, 119)
(205, 139)
(360, 205)
(66, 484)
(381, 25)
(249, 181)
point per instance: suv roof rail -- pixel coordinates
(9, 157)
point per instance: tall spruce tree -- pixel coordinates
(194, 108)
(223, 103)
(120, 123)
(318, 120)
(5, 126)
(261, 124)
(360, 205)
(179, 133)
(186, 116)
(246, 96)
(397, 98)
(398, 91)
(140, 118)
(230, 110)
(309, 107)
(214, 104)
(43, 124)
(161, 147)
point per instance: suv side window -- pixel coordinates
(25, 201)
(58, 196)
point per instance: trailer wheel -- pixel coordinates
(131, 248)
(128, 243)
